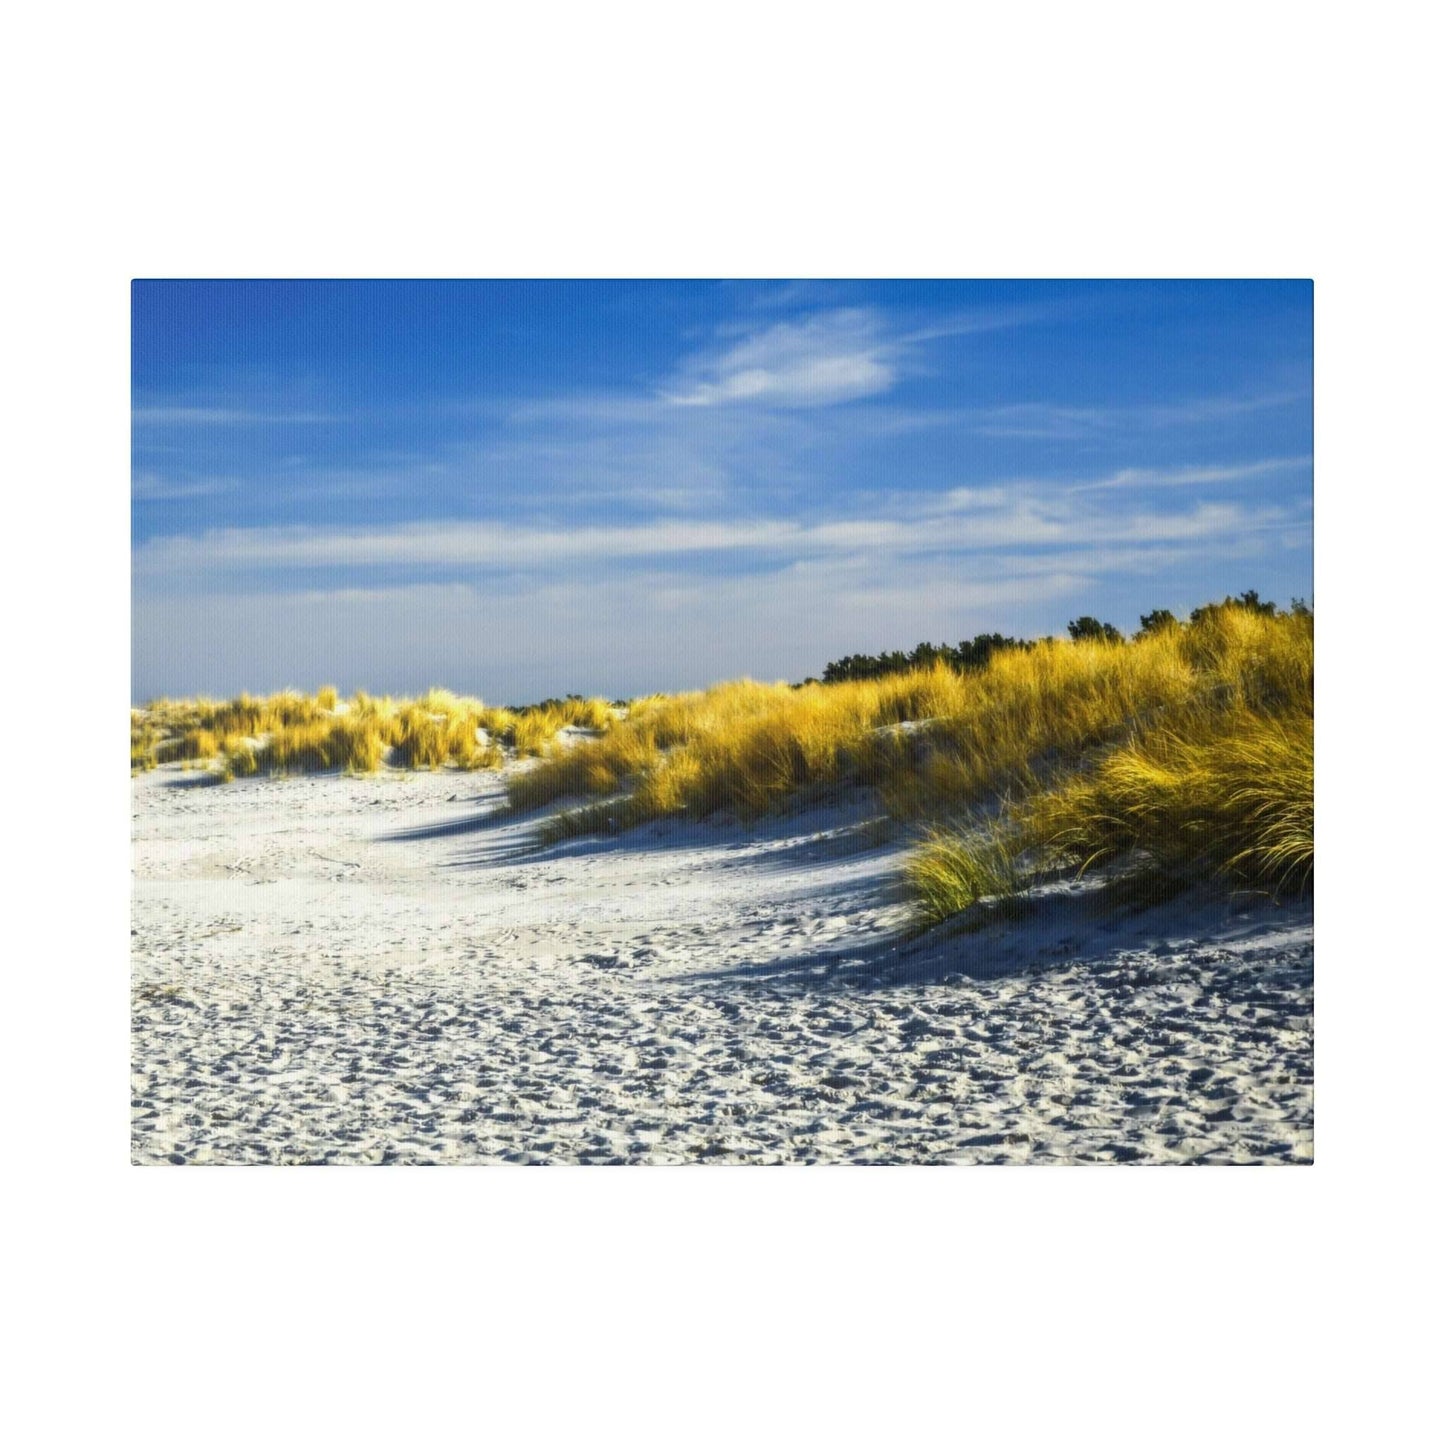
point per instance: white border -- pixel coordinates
(650, 140)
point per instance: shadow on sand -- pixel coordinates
(789, 841)
(1031, 935)
(1057, 928)
(1064, 922)
(494, 817)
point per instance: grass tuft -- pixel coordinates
(1229, 796)
(954, 871)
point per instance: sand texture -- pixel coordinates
(387, 970)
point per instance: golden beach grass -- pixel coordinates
(289, 732)
(1188, 750)
(1191, 747)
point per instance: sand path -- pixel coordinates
(384, 970)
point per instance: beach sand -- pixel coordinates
(387, 970)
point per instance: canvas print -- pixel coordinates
(722, 722)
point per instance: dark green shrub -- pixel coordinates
(1156, 621)
(1090, 629)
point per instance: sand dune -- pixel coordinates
(384, 969)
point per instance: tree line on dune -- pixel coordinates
(974, 655)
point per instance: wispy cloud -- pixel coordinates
(832, 357)
(1195, 476)
(149, 485)
(1047, 421)
(961, 522)
(598, 639)
(823, 359)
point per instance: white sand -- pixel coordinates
(381, 970)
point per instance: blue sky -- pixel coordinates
(521, 489)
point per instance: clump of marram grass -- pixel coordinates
(1187, 752)
(934, 741)
(1226, 795)
(240, 762)
(587, 821)
(427, 739)
(485, 757)
(741, 745)
(291, 733)
(1219, 796)
(530, 730)
(144, 735)
(244, 716)
(352, 744)
(301, 748)
(954, 871)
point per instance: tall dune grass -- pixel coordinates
(291, 733)
(1231, 794)
(144, 735)
(1190, 748)
(931, 741)
(952, 871)
(1218, 787)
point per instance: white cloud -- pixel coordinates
(1194, 476)
(149, 485)
(1046, 421)
(654, 626)
(618, 635)
(960, 522)
(833, 357)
